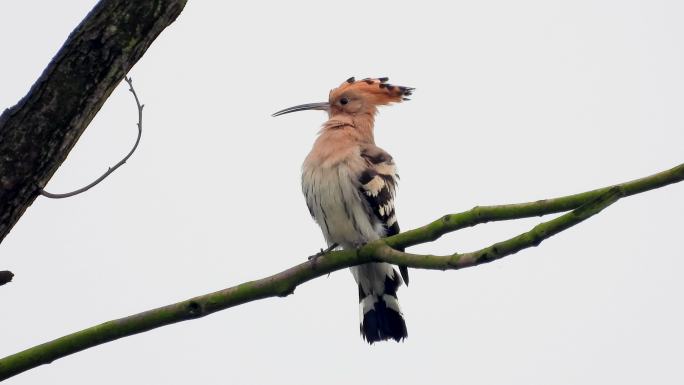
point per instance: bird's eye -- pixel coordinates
(344, 101)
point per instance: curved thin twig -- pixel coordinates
(113, 168)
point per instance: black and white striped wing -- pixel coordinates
(378, 186)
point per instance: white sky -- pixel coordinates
(515, 101)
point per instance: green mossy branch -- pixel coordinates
(583, 206)
(510, 246)
(484, 214)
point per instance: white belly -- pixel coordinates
(335, 202)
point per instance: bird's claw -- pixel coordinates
(320, 253)
(323, 252)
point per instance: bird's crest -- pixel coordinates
(376, 90)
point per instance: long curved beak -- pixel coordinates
(323, 106)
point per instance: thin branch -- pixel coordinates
(5, 277)
(484, 214)
(502, 249)
(121, 162)
(284, 283)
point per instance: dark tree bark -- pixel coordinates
(37, 134)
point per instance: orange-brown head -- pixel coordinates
(357, 97)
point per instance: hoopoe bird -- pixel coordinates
(349, 184)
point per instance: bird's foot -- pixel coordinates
(323, 252)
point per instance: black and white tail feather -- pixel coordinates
(381, 316)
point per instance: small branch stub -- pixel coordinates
(5, 277)
(110, 170)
